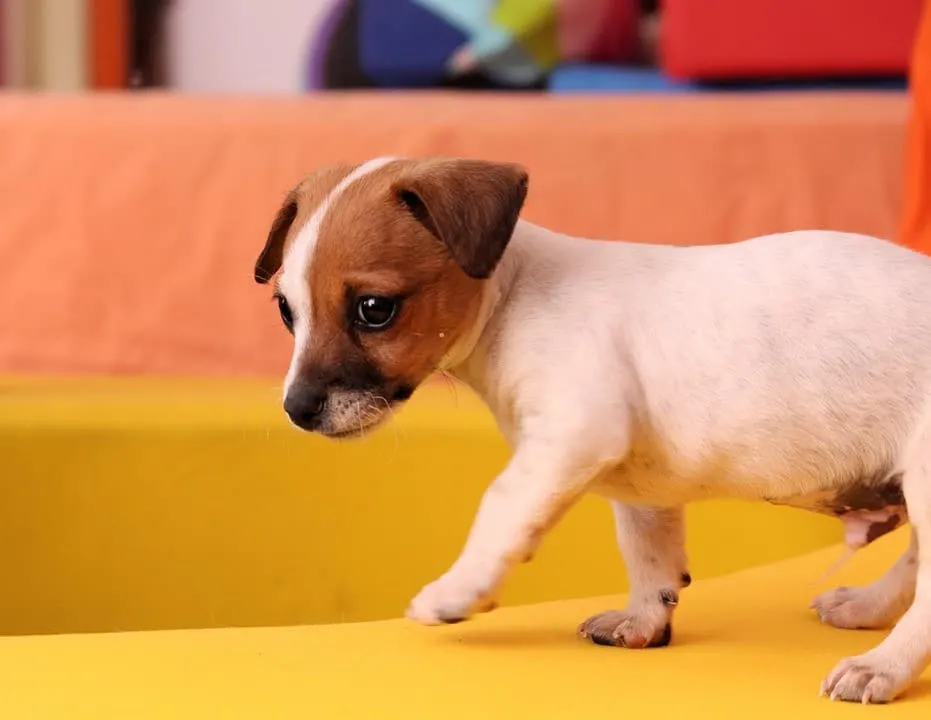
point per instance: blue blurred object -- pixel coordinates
(608, 79)
(402, 44)
(612, 79)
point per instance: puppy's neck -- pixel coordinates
(469, 359)
(494, 291)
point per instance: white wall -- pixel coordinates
(240, 46)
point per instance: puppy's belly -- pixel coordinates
(869, 507)
(645, 482)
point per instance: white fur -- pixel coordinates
(293, 283)
(777, 368)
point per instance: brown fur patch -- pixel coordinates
(470, 205)
(298, 206)
(878, 529)
(370, 245)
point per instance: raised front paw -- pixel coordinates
(864, 679)
(630, 629)
(451, 599)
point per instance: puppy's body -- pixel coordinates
(792, 368)
(788, 368)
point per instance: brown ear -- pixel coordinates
(271, 256)
(471, 205)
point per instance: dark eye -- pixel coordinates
(285, 311)
(374, 312)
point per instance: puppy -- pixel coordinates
(791, 368)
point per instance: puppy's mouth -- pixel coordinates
(351, 434)
(366, 414)
(343, 434)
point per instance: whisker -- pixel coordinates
(394, 424)
(452, 385)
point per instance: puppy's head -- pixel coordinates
(382, 268)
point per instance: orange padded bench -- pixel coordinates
(130, 224)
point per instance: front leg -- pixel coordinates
(652, 541)
(537, 487)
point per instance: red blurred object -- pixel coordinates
(601, 31)
(739, 39)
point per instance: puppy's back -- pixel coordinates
(788, 349)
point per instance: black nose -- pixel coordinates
(304, 405)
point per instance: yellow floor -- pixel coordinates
(745, 645)
(149, 504)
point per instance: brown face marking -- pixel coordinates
(418, 235)
(299, 204)
(370, 245)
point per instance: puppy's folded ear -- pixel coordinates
(270, 258)
(471, 205)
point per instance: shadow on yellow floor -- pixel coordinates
(744, 645)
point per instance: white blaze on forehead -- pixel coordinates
(293, 281)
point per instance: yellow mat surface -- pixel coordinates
(156, 504)
(744, 645)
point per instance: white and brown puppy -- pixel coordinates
(791, 368)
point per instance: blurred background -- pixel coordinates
(150, 479)
(294, 46)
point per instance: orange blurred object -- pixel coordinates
(109, 43)
(916, 222)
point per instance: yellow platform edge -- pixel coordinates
(744, 645)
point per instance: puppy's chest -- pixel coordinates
(646, 475)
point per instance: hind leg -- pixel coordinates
(882, 673)
(876, 605)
